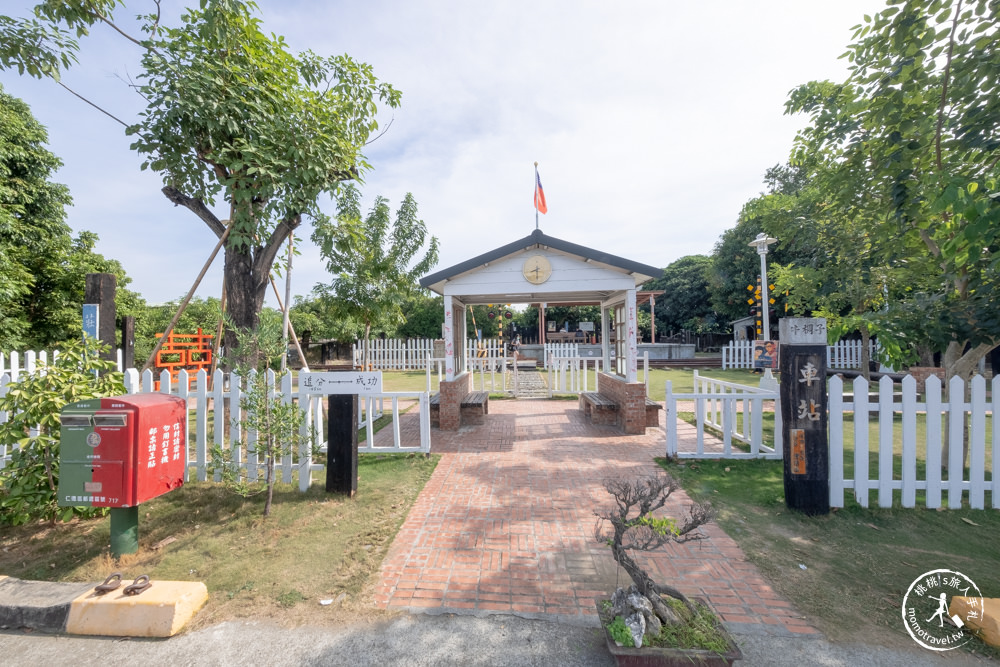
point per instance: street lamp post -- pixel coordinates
(761, 243)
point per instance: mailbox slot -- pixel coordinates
(75, 420)
(110, 419)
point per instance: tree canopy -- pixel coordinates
(43, 266)
(232, 116)
(903, 157)
(686, 303)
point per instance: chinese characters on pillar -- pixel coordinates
(809, 391)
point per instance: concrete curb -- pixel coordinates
(160, 611)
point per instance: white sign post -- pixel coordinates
(342, 389)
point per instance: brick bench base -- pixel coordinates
(475, 407)
(598, 408)
(652, 413)
(435, 408)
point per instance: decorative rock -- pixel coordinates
(641, 603)
(653, 624)
(636, 624)
(986, 620)
(619, 603)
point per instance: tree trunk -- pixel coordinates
(866, 357)
(958, 363)
(650, 588)
(248, 267)
(365, 357)
(246, 291)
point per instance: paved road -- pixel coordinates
(419, 639)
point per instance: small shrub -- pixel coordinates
(620, 632)
(29, 483)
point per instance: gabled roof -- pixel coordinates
(537, 239)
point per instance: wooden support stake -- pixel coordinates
(187, 299)
(291, 329)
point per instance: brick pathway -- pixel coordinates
(506, 525)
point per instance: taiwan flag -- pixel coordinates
(539, 195)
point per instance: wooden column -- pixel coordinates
(631, 333)
(803, 414)
(128, 342)
(448, 332)
(100, 289)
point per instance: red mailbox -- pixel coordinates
(123, 450)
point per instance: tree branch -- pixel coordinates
(944, 88)
(106, 113)
(269, 251)
(103, 19)
(197, 207)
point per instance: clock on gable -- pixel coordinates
(536, 269)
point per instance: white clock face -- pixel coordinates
(537, 269)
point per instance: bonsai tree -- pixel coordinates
(633, 526)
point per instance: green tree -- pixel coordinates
(372, 259)
(231, 115)
(917, 121)
(42, 266)
(423, 315)
(735, 263)
(318, 317)
(686, 302)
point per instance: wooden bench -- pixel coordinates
(652, 412)
(475, 407)
(435, 408)
(598, 408)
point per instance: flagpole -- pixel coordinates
(536, 193)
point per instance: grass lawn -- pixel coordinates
(858, 562)
(313, 546)
(682, 379)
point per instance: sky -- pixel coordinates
(652, 123)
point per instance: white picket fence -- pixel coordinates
(13, 364)
(560, 351)
(410, 431)
(394, 353)
(844, 354)
(898, 418)
(733, 410)
(571, 375)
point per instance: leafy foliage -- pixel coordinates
(372, 259)
(620, 632)
(28, 485)
(905, 152)
(686, 303)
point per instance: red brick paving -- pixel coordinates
(506, 524)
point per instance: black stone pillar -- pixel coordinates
(342, 444)
(803, 414)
